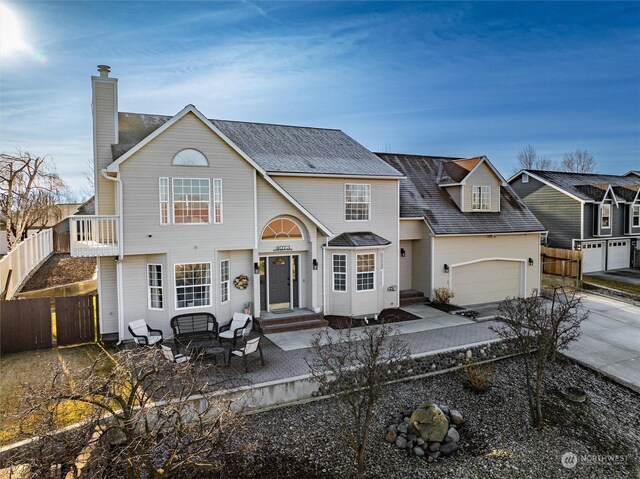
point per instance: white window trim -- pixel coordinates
(173, 202)
(212, 213)
(366, 272)
(167, 201)
(173, 161)
(359, 202)
(227, 282)
(333, 274)
(525, 178)
(634, 209)
(602, 207)
(480, 189)
(175, 287)
(161, 288)
(382, 269)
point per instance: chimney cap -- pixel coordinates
(104, 70)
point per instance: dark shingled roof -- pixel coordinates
(587, 186)
(422, 197)
(361, 239)
(276, 148)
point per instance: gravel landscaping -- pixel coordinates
(61, 269)
(496, 441)
(394, 315)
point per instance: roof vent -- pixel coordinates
(104, 70)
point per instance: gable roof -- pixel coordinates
(422, 196)
(275, 148)
(587, 187)
(457, 170)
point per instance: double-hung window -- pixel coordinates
(339, 272)
(481, 198)
(224, 281)
(193, 285)
(217, 201)
(366, 272)
(357, 201)
(164, 201)
(154, 275)
(191, 200)
(605, 216)
(635, 216)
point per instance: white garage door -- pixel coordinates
(592, 257)
(486, 281)
(618, 254)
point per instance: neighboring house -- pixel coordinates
(86, 208)
(598, 214)
(462, 227)
(185, 205)
(635, 173)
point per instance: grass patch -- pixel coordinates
(612, 284)
(18, 371)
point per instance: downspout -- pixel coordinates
(119, 261)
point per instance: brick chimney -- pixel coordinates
(104, 105)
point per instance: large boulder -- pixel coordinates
(430, 422)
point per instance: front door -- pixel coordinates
(279, 282)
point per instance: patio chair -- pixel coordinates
(250, 347)
(174, 358)
(237, 328)
(143, 335)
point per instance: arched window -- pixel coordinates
(190, 157)
(282, 229)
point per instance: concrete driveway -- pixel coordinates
(627, 275)
(610, 340)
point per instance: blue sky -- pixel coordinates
(453, 78)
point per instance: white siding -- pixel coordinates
(483, 176)
(411, 229)
(421, 262)
(406, 264)
(104, 131)
(108, 299)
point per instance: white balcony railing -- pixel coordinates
(94, 235)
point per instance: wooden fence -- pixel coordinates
(27, 324)
(22, 259)
(561, 262)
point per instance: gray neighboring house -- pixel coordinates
(596, 213)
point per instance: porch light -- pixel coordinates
(446, 268)
(256, 268)
(530, 261)
(403, 253)
(315, 264)
(578, 246)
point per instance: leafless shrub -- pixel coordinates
(442, 295)
(475, 376)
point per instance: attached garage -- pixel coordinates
(618, 255)
(486, 280)
(593, 256)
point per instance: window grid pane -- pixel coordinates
(224, 281)
(636, 215)
(365, 272)
(605, 216)
(481, 198)
(191, 200)
(217, 201)
(155, 286)
(164, 201)
(357, 200)
(193, 285)
(339, 272)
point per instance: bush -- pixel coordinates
(442, 295)
(475, 376)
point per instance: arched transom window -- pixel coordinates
(282, 229)
(190, 157)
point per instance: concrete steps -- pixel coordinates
(411, 296)
(291, 323)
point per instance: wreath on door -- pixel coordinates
(241, 282)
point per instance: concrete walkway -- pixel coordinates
(610, 340)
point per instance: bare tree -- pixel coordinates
(89, 188)
(528, 159)
(540, 328)
(161, 417)
(29, 192)
(580, 161)
(354, 368)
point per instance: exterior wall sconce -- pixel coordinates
(315, 264)
(446, 268)
(530, 261)
(403, 253)
(256, 268)
(578, 246)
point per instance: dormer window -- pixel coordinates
(481, 198)
(635, 216)
(190, 157)
(605, 216)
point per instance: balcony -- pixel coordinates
(93, 236)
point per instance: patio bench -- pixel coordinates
(194, 326)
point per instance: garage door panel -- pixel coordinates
(486, 281)
(592, 257)
(618, 254)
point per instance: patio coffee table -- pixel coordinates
(206, 348)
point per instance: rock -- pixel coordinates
(406, 419)
(401, 442)
(449, 448)
(445, 410)
(402, 428)
(430, 459)
(420, 441)
(452, 436)
(418, 451)
(411, 437)
(391, 436)
(456, 417)
(469, 354)
(434, 447)
(434, 455)
(393, 428)
(430, 422)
